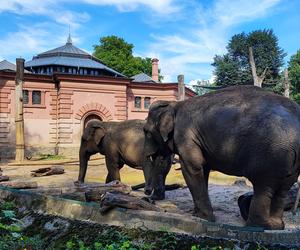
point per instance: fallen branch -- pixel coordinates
(20, 184)
(47, 171)
(114, 186)
(168, 187)
(4, 178)
(111, 200)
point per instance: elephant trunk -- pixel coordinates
(83, 161)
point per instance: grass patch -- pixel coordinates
(50, 157)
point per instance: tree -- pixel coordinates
(201, 87)
(116, 53)
(294, 76)
(234, 67)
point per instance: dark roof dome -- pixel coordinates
(71, 56)
(68, 50)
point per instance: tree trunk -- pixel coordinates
(257, 80)
(286, 84)
(19, 121)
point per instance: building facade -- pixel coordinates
(63, 89)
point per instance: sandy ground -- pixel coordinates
(223, 193)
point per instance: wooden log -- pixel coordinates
(168, 187)
(114, 186)
(47, 171)
(95, 189)
(20, 184)
(4, 178)
(93, 195)
(111, 200)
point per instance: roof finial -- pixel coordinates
(69, 41)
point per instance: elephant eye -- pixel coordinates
(149, 135)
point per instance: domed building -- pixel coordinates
(66, 87)
(70, 60)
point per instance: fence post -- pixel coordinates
(181, 88)
(19, 120)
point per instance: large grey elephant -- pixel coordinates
(122, 143)
(242, 131)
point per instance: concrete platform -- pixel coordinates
(146, 220)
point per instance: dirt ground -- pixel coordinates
(223, 193)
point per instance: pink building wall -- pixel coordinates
(56, 125)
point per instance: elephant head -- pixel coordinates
(91, 140)
(159, 128)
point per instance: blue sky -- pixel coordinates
(184, 35)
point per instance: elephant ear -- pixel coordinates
(166, 122)
(93, 132)
(99, 134)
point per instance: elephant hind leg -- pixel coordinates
(278, 201)
(260, 209)
(113, 169)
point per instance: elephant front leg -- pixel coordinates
(147, 170)
(163, 164)
(195, 178)
(83, 162)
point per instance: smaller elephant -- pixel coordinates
(123, 143)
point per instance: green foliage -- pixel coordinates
(50, 157)
(8, 214)
(116, 53)
(294, 76)
(11, 236)
(9, 242)
(234, 68)
(200, 90)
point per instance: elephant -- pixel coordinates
(122, 143)
(241, 130)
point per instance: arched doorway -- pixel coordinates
(91, 117)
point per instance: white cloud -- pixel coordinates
(159, 6)
(189, 51)
(28, 41)
(232, 12)
(47, 8)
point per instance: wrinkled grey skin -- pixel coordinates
(242, 131)
(122, 143)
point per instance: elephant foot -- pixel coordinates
(78, 183)
(147, 191)
(158, 196)
(270, 224)
(207, 215)
(277, 223)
